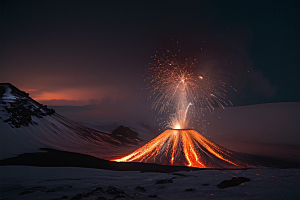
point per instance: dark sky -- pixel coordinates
(97, 52)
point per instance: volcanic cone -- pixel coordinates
(183, 147)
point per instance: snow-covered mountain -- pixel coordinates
(26, 126)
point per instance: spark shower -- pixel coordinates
(180, 89)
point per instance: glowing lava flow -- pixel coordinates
(186, 148)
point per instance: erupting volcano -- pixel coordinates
(178, 86)
(185, 147)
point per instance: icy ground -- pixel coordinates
(20, 182)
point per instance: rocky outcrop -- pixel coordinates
(233, 182)
(124, 131)
(126, 135)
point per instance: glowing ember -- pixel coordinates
(186, 148)
(177, 126)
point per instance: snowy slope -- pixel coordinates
(27, 126)
(265, 129)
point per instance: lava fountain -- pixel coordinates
(180, 88)
(185, 147)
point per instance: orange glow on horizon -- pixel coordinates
(185, 148)
(55, 96)
(73, 96)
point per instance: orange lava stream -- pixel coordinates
(185, 148)
(174, 148)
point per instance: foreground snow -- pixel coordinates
(20, 182)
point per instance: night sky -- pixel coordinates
(97, 52)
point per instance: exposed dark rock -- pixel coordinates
(63, 197)
(233, 182)
(101, 198)
(100, 189)
(205, 184)
(21, 111)
(83, 195)
(126, 135)
(178, 174)
(114, 190)
(27, 192)
(164, 181)
(119, 196)
(125, 131)
(58, 189)
(152, 195)
(33, 189)
(80, 196)
(190, 189)
(141, 189)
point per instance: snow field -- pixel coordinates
(23, 182)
